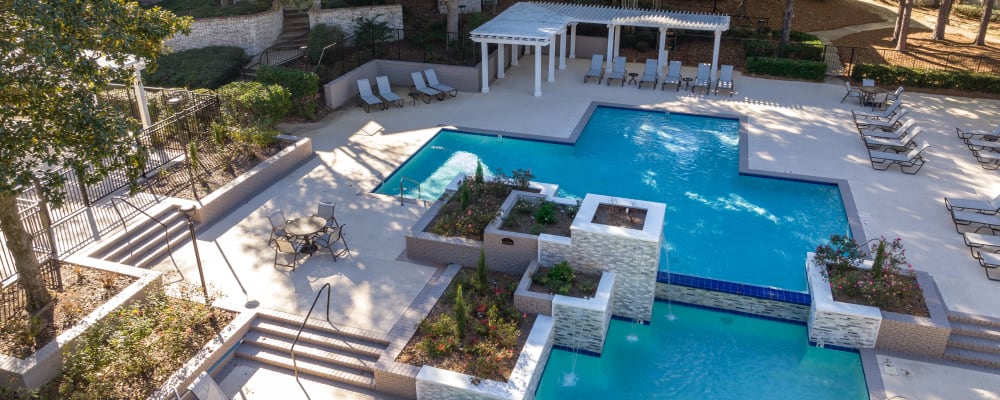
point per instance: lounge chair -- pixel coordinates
(894, 96)
(618, 71)
(673, 75)
(907, 124)
(432, 81)
(596, 68)
(977, 241)
(418, 83)
(982, 206)
(367, 98)
(991, 135)
(971, 219)
(989, 261)
(725, 79)
(904, 143)
(385, 91)
(978, 144)
(704, 77)
(988, 159)
(649, 75)
(886, 114)
(852, 92)
(889, 124)
(882, 160)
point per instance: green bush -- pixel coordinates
(302, 86)
(320, 36)
(928, 78)
(812, 50)
(253, 103)
(974, 12)
(798, 69)
(207, 67)
(210, 8)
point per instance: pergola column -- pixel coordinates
(538, 70)
(572, 41)
(552, 59)
(500, 63)
(611, 42)
(514, 55)
(618, 39)
(715, 56)
(562, 50)
(661, 56)
(486, 68)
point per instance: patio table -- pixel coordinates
(306, 228)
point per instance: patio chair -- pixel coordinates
(886, 114)
(725, 79)
(868, 82)
(908, 124)
(673, 75)
(852, 92)
(418, 83)
(278, 221)
(989, 261)
(328, 239)
(650, 73)
(282, 248)
(205, 388)
(326, 210)
(385, 91)
(982, 206)
(367, 98)
(904, 143)
(704, 77)
(596, 68)
(879, 101)
(432, 81)
(890, 124)
(977, 241)
(970, 219)
(984, 135)
(987, 158)
(913, 159)
(618, 71)
(894, 96)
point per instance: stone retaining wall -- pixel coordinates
(252, 33)
(917, 335)
(728, 301)
(554, 249)
(396, 378)
(343, 18)
(531, 302)
(842, 324)
(582, 324)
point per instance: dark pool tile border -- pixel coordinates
(629, 320)
(577, 351)
(742, 289)
(733, 312)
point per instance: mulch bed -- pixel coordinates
(524, 222)
(584, 285)
(620, 216)
(218, 166)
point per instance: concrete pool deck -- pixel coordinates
(793, 127)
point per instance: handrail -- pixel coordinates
(291, 350)
(166, 230)
(420, 195)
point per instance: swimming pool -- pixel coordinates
(719, 224)
(703, 354)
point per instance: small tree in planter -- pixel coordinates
(885, 285)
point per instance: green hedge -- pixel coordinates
(211, 8)
(207, 67)
(798, 69)
(812, 50)
(927, 78)
(974, 12)
(302, 86)
(320, 36)
(253, 103)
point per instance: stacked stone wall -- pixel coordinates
(252, 33)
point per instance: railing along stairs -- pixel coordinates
(326, 286)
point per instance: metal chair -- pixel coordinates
(284, 246)
(326, 210)
(851, 92)
(329, 238)
(278, 221)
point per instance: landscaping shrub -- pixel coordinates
(889, 284)
(247, 104)
(210, 8)
(320, 36)
(975, 12)
(302, 86)
(798, 69)
(928, 78)
(811, 50)
(207, 67)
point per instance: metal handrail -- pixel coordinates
(166, 230)
(420, 195)
(291, 350)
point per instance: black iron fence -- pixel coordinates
(436, 47)
(851, 56)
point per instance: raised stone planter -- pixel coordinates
(582, 324)
(531, 302)
(917, 335)
(439, 384)
(45, 364)
(842, 324)
(511, 252)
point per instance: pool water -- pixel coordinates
(719, 224)
(702, 354)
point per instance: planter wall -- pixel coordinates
(438, 384)
(252, 33)
(433, 248)
(842, 324)
(511, 252)
(343, 18)
(39, 368)
(582, 324)
(917, 335)
(729, 301)
(531, 302)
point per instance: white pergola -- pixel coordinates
(537, 24)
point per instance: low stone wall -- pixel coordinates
(841, 324)
(917, 335)
(39, 368)
(531, 302)
(396, 378)
(343, 18)
(252, 33)
(554, 249)
(506, 251)
(438, 384)
(728, 301)
(433, 248)
(582, 324)
(224, 200)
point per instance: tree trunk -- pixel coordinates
(904, 27)
(984, 23)
(942, 20)
(20, 246)
(786, 22)
(452, 25)
(899, 20)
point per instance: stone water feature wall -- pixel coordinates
(582, 324)
(841, 324)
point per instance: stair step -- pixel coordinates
(149, 242)
(361, 364)
(981, 359)
(307, 366)
(376, 339)
(974, 320)
(295, 24)
(151, 258)
(974, 343)
(970, 329)
(137, 224)
(326, 339)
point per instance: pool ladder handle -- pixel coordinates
(401, 181)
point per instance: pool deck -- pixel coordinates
(793, 127)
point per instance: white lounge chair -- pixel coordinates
(618, 71)
(889, 124)
(673, 75)
(432, 81)
(908, 124)
(704, 77)
(596, 68)
(977, 134)
(989, 261)
(988, 159)
(886, 114)
(977, 241)
(367, 98)
(725, 79)
(650, 74)
(982, 206)
(421, 86)
(894, 96)
(852, 92)
(901, 144)
(385, 91)
(882, 160)
(971, 219)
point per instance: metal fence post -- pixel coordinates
(46, 220)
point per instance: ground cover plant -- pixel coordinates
(561, 279)
(476, 204)
(889, 285)
(206, 67)
(212, 8)
(542, 216)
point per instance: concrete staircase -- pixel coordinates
(145, 241)
(339, 354)
(289, 46)
(974, 340)
(294, 28)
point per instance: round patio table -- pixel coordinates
(869, 93)
(306, 227)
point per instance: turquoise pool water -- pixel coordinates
(703, 354)
(718, 225)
